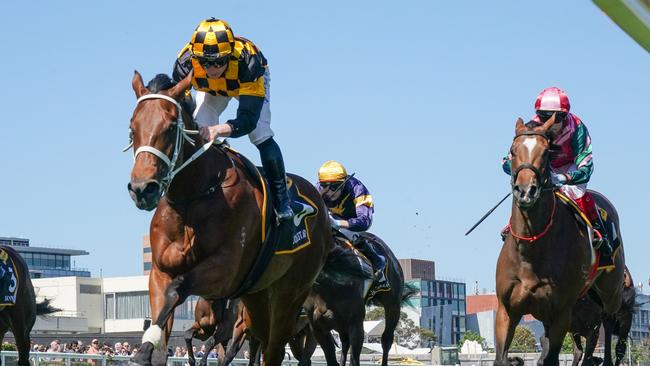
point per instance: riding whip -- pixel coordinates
(487, 214)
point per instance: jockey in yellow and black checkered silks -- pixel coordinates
(224, 66)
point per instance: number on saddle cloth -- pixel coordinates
(8, 280)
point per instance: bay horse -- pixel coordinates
(209, 225)
(341, 306)
(546, 259)
(213, 324)
(20, 317)
(588, 316)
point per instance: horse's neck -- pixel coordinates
(533, 221)
(200, 175)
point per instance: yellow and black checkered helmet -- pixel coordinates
(332, 171)
(212, 39)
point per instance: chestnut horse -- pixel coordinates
(208, 227)
(545, 261)
(588, 316)
(20, 317)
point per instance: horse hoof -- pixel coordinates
(515, 361)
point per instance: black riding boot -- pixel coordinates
(275, 173)
(378, 261)
(602, 243)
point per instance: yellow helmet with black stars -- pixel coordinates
(332, 171)
(212, 39)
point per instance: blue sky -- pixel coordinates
(418, 98)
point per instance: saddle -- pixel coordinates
(276, 239)
(346, 239)
(581, 218)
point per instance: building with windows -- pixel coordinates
(46, 262)
(102, 305)
(640, 330)
(440, 305)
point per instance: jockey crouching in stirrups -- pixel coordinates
(227, 67)
(571, 160)
(351, 208)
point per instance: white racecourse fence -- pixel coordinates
(10, 358)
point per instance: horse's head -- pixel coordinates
(530, 162)
(157, 129)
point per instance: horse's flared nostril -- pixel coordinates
(532, 191)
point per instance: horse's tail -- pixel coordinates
(342, 267)
(44, 308)
(410, 291)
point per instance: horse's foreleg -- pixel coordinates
(189, 335)
(356, 342)
(326, 341)
(621, 347)
(555, 333)
(254, 351)
(607, 361)
(209, 344)
(345, 347)
(590, 346)
(505, 325)
(310, 346)
(392, 319)
(577, 349)
(165, 294)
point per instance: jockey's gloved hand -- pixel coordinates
(558, 179)
(334, 222)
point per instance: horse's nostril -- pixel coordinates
(150, 188)
(517, 189)
(533, 190)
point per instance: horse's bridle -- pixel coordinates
(181, 134)
(538, 174)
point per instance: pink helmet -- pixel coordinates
(552, 99)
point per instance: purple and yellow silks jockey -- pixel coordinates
(351, 208)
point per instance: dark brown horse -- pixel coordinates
(545, 261)
(341, 305)
(20, 317)
(588, 315)
(208, 227)
(213, 324)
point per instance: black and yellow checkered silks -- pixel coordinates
(212, 38)
(244, 75)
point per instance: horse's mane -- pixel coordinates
(160, 82)
(164, 82)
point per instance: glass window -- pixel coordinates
(147, 266)
(66, 262)
(132, 305)
(110, 306)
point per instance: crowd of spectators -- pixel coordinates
(95, 347)
(118, 349)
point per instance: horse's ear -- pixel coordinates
(548, 123)
(519, 125)
(181, 87)
(138, 85)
